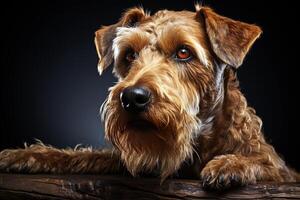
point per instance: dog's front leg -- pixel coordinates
(231, 170)
(39, 158)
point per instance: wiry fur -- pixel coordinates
(198, 118)
(41, 158)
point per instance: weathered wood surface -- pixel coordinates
(53, 187)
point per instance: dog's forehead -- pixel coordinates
(162, 24)
(165, 18)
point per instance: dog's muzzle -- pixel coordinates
(135, 99)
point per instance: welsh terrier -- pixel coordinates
(176, 111)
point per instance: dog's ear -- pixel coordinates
(103, 42)
(104, 36)
(230, 40)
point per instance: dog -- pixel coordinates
(176, 110)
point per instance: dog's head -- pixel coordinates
(170, 67)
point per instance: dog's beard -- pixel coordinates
(161, 140)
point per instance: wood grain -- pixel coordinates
(54, 187)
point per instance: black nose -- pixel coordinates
(135, 99)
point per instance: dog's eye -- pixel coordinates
(183, 54)
(131, 56)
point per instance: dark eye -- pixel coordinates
(131, 56)
(183, 54)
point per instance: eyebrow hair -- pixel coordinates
(128, 37)
(200, 51)
(172, 39)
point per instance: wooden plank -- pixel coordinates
(54, 187)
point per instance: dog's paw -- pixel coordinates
(13, 160)
(225, 172)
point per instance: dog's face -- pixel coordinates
(170, 67)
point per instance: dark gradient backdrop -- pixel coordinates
(50, 88)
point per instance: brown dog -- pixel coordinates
(177, 108)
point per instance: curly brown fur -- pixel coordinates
(198, 122)
(40, 158)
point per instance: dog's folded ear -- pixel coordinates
(230, 40)
(104, 36)
(103, 42)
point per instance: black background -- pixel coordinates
(50, 88)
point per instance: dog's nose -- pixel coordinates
(135, 99)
